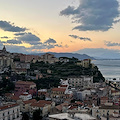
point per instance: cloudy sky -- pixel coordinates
(82, 26)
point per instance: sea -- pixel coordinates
(108, 68)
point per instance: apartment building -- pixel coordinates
(58, 92)
(81, 82)
(10, 112)
(25, 105)
(107, 110)
(43, 105)
(48, 58)
(25, 96)
(25, 86)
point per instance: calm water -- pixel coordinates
(109, 68)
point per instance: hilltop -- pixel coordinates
(69, 55)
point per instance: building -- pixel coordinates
(26, 58)
(80, 95)
(64, 59)
(6, 59)
(43, 105)
(42, 93)
(10, 112)
(48, 58)
(58, 93)
(20, 67)
(25, 105)
(84, 63)
(25, 86)
(113, 82)
(82, 82)
(25, 96)
(104, 100)
(68, 116)
(105, 110)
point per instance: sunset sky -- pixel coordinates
(81, 26)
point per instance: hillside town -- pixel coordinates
(48, 88)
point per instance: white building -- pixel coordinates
(113, 81)
(80, 95)
(81, 82)
(67, 116)
(10, 112)
(25, 96)
(109, 109)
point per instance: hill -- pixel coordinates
(70, 55)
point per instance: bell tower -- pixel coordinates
(4, 49)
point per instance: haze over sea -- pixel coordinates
(108, 68)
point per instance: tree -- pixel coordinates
(37, 115)
(25, 116)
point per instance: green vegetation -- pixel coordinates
(47, 82)
(6, 85)
(62, 70)
(37, 115)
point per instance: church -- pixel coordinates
(6, 59)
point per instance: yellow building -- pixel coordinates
(48, 58)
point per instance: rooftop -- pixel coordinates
(59, 89)
(7, 106)
(77, 116)
(25, 83)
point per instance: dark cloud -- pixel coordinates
(81, 38)
(48, 44)
(18, 34)
(17, 49)
(30, 38)
(109, 43)
(7, 26)
(14, 42)
(94, 15)
(50, 40)
(70, 10)
(4, 37)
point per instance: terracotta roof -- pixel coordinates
(79, 103)
(109, 107)
(8, 94)
(59, 107)
(25, 94)
(37, 105)
(41, 103)
(116, 112)
(25, 83)
(45, 102)
(63, 85)
(59, 89)
(104, 98)
(72, 107)
(29, 101)
(7, 106)
(21, 69)
(114, 91)
(15, 98)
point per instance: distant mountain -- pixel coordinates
(70, 55)
(100, 53)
